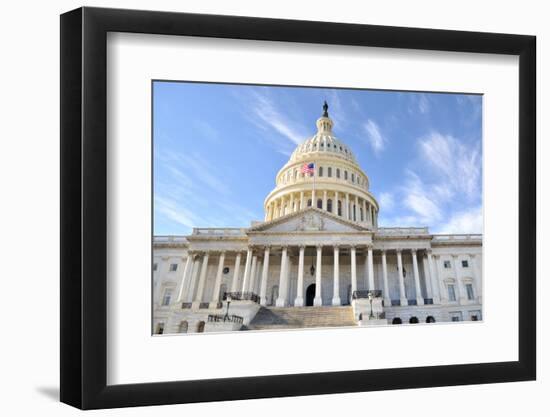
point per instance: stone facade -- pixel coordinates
(319, 245)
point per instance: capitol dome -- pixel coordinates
(339, 185)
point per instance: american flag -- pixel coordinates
(307, 168)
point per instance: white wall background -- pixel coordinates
(29, 175)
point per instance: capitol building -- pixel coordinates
(318, 259)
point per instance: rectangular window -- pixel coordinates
(155, 266)
(456, 316)
(320, 171)
(447, 264)
(464, 264)
(329, 169)
(167, 296)
(337, 172)
(173, 267)
(352, 177)
(451, 291)
(470, 291)
(346, 175)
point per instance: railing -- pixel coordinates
(458, 237)
(169, 239)
(186, 305)
(365, 294)
(428, 301)
(219, 231)
(241, 296)
(403, 231)
(218, 318)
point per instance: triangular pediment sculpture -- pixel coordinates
(308, 220)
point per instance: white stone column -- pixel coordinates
(364, 211)
(247, 264)
(257, 276)
(265, 272)
(318, 300)
(252, 277)
(281, 300)
(299, 301)
(347, 206)
(356, 209)
(370, 264)
(191, 289)
(291, 203)
(434, 279)
(477, 277)
(427, 278)
(336, 290)
(353, 261)
(387, 298)
(186, 276)
(402, 295)
(418, 290)
(218, 283)
(235, 281)
(462, 298)
(302, 204)
(325, 200)
(202, 281)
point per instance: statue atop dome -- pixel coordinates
(325, 109)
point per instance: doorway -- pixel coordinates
(310, 295)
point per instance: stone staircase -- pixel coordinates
(272, 318)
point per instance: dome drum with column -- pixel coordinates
(341, 187)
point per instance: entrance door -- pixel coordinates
(310, 294)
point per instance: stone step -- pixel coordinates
(302, 317)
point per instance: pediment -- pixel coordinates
(309, 220)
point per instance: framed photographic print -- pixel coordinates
(258, 207)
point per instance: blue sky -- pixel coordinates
(218, 147)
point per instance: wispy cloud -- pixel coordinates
(458, 164)
(467, 221)
(374, 136)
(262, 112)
(418, 103)
(419, 198)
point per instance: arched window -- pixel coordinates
(361, 213)
(319, 203)
(329, 205)
(352, 177)
(309, 202)
(321, 171)
(396, 320)
(430, 319)
(413, 320)
(200, 327)
(339, 208)
(337, 172)
(346, 175)
(329, 169)
(354, 213)
(183, 327)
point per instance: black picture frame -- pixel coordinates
(84, 207)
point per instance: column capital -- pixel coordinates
(302, 246)
(319, 246)
(352, 246)
(336, 247)
(413, 251)
(472, 255)
(454, 255)
(429, 251)
(369, 246)
(398, 250)
(383, 251)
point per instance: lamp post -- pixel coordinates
(228, 299)
(371, 316)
